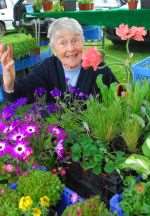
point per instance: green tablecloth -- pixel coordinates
(107, 17)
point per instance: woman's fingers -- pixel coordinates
(7, 62)
(10, 51)
(1, 49)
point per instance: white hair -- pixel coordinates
(63, 23)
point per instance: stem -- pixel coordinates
(128, 67)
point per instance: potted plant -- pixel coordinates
(37, 5)
(132, 4)
(57, 6)
(47, 5)
(86, 4)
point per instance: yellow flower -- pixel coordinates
(36, 212)
(25, 203)
(44, 201)
(140, 188)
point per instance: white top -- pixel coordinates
(72, 75)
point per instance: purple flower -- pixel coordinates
(17, 135)
(82, 96)
(30, 129)
(55, 92)
(3, 148)
(59, 149)
(7, 112)
(20, 151)
(2, 126)
(72, 90)
(57, 132)
(74, 198)
(40, 91)
(19, 102)
(54, 129)
(52, 108)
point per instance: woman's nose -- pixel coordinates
(70, 46)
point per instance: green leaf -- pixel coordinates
(146, 147)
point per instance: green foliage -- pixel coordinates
(139, 163)
(137, 93)
(57, 7)
(85, 1)
(104, 117)
(89, 207)
(37, 5)
(135, 198)
(132, 128)
(113, 161)
(23, 44)
(9, 202)
(89, 153)
(40, 183)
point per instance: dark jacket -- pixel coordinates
(50, 74)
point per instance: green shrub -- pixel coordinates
(90, 207)
(38, 184)
(9, 203)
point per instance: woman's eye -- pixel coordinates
(63, 43)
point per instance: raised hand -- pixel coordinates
(8, 69)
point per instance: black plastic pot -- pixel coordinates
(145, 4)
(86, 183)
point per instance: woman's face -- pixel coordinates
(68, 47)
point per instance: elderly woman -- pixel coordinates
(63, 68)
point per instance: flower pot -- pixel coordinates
(86, 6)
(86, 183)
(132, 4)
(47, 6)
(69, 5)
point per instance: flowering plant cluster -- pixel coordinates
(28, 207)
(28, 136)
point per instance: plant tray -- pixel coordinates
(92, 33)
(115, 205)
(141, 70)
(67, 199)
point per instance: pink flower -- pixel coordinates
(138, 33)
(135, 33)
(123, 32)
(9, 168)
(92, 58)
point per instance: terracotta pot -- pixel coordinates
(86, 6)
(47, 6)
(132, 4)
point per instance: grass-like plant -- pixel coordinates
(104, 117)
(23, 44)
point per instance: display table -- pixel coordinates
(103, 17)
